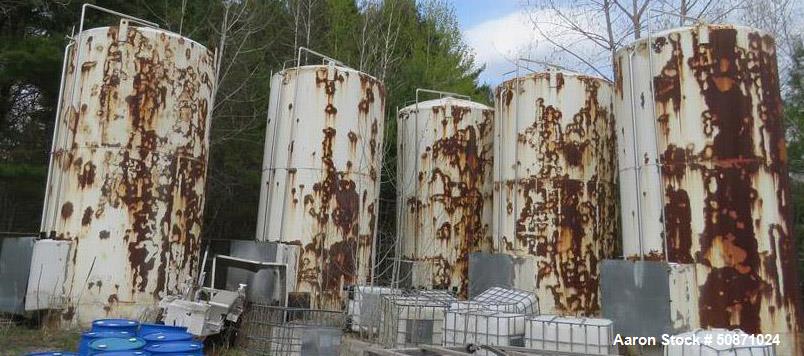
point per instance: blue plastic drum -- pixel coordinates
(146, 329)
(161, 337)
(116, 325)
(123, 353)
(184, 348)
(90, 336)
(53, 353)
(116, 344)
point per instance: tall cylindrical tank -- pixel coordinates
(444, 177)
(704, 170)
(554, 186)
(321, 176)
(128, 168)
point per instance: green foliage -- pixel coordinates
(794, 117)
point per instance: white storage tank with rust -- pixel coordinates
(704, 171)
(555, 206)
(128, 169)
(444, 176)
(321, 176)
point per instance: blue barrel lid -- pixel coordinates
(115, 323)
(102, 334)
(123, 353)
(172, 347)
(167, 337)
(147, 328)
(53, 353)
(117, 344)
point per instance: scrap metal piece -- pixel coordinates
(207, 314)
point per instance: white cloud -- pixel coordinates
(497, 42)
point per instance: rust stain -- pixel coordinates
(66, 210)
(87, 176)
(87, 218)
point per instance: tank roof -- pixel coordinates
(451, 101)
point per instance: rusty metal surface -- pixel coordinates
(554, 186)
(444, 176)
(129, 168)
(321, 169)
(717, 139)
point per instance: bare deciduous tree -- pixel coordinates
(589, 32)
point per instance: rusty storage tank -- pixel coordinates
(320, 180)
(704, 171)
(128, 168)
(444, 182)
(554, 186)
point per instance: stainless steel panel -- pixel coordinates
(488, 270)
(636, 296)
(15, 264)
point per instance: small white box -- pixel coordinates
(509, 300)
(483, 327)
(415, 318)
(586, 335)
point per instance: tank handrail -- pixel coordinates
(696, 20)
(632, 96)
(111, 12)
(59, 102)
(655, 136)
(440, 93)
(546, 64)
(325, 57)
(285, 64)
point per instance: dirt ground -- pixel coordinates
(20, 340)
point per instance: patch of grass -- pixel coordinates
(20, 340)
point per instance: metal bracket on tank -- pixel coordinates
(122, 30)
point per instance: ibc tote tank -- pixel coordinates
(703, 168)
(321, 176)
(128, 168)
(554, 186)
(444, 177)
